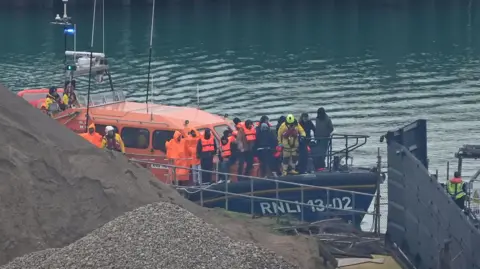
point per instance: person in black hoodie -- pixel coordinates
(277, 162)
(309, 128)
(323, 131)
(264, 147)
(206, 149)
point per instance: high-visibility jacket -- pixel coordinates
(455, 188)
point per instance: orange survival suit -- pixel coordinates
(177, 155)
(92, 136)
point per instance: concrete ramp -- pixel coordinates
(423, 220)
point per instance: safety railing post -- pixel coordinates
(226, 195)
(346, 148)
(276, 196)
(353, 206)
(174, 174)
(251, 196)
(216, 173)
(303, 202)
(328, 201)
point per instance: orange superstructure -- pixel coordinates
(144, 131)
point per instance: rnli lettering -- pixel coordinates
(317, 205)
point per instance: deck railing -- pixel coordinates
(329, 208)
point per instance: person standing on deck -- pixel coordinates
(228, 154)
(288, 137)
(69, 96)
(92, 136)
(191, 142)
(177, 156)
(457, 189)
(309, 129)
(206, 149)
(265, 145)
(112, 140)
(323, 131)
(246, 141)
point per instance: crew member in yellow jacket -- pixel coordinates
(288, 137)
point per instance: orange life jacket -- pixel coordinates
(226, 149)
(208, 145)
(250, 134)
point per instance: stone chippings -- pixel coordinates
(160, 235)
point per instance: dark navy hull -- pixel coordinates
(322, 204)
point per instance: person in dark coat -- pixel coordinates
(323, 131)
(277, 162)
(309, 129)
(206, 149)
(264, 147)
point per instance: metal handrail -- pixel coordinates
(277, 181)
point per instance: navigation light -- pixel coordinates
(69, 31)
(71, 67)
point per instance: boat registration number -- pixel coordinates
(317, 205)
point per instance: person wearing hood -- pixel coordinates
(53, 98)
(191, 141)
(289, 135)
(112, 140)
(457, 189)
(323, 132)
(280, 121)
(206, 149)
(228, 153)
(263, 119)
(92, 136)
(246, 137)
(264, 146)
(176, 155)
(309, 129)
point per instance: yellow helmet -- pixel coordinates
(290, 119)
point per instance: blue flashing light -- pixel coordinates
(69, 31)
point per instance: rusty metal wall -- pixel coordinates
(422, 217)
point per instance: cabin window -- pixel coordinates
(160, 137)
(137, 138)
(100, 128)
(219, 129)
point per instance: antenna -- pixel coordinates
(198, 96)
(91, 62)
(150, 54)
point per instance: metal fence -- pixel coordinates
(329, 209)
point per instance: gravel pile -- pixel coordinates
(160, 235)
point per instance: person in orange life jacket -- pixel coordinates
(176, 154)
(206, 149)
(236, 121)
(309, 129)
(92, 136)
(228, 153)
(264, 147)
(457, 189)
(246, 141)
(191, 142)
(112, 140)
